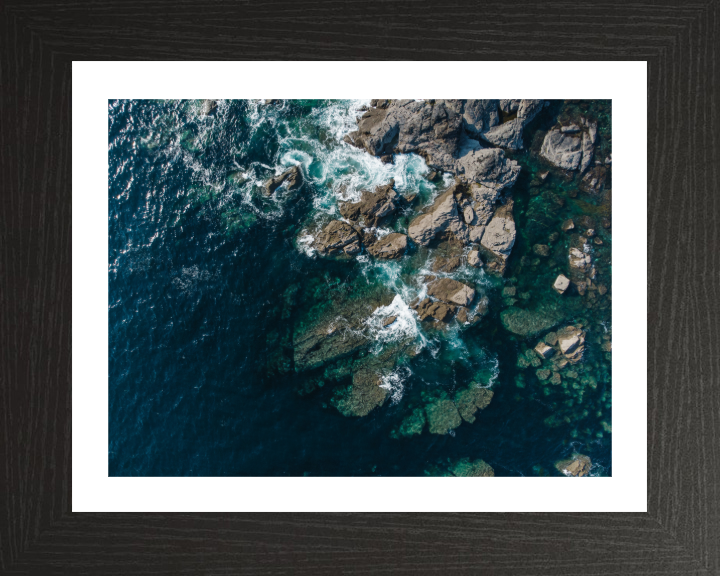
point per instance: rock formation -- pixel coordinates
(390, 247)
(293, 177)
(473, 258)
(499, 234)
(579, 260)
(561, 284)
(570, 147)
(571, 341)
(337, 237)
(441, 219)
(451, 291)
(373, 207)
(440, 311)
(578, 465)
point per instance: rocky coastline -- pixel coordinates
(468, 230)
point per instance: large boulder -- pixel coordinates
(436, 129)
(588, 144)
(579, 259)
(594, 181)
(561, 284)
(442, 218)
(579, 465)
(571, 146)
(571, 341)
(293, 177)
(499, 234)
(562, 149)
(373, 207)
(509, 134)
(451, 291)
(336, 238)
(489, 167)
(473, 258)
(440, 311)
(429, 128)
(389, 247)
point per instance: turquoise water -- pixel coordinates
(211, 285)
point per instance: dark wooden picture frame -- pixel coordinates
(680, 533)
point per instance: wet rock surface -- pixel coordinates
(470, 217)
(440, 311)
(373, 207)
(579, 465)
(442, 218)
(561, 284)
(390, 247)
(338, 237)
(451, 291)
(292, 177)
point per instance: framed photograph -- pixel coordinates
(330, 333)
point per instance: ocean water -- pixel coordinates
(209, 280)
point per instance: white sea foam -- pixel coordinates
(394, 383)
(404, 327)
(304, 244)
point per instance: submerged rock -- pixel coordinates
(541, 250)
(579, 465)
(389, 247)
(450, 264)
(529, 322)
(293, 177)
(568, 225)
(412, 423)
(327, 343)
(470, 400)
(442, 416)
(468, 468)
(362, 396)
(367, 391)
(337, 237)
(451, 291)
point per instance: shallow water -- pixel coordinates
(208, 279)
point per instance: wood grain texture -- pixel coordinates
(680, 534)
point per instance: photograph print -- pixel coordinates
(360, 288)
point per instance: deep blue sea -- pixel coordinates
(208, 279)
